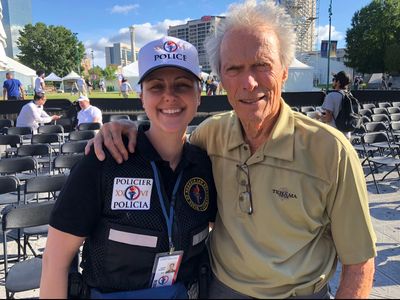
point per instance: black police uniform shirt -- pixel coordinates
(102, 200)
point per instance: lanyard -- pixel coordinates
(169, 219)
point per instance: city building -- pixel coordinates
(16, 14)
(195, 32)
(303, 12)
(119, 54)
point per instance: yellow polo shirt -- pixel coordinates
(310, 206)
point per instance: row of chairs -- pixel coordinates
(22, 220)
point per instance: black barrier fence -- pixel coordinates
(209, 104)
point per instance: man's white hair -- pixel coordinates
(251, 14)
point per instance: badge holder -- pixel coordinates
(165, 268)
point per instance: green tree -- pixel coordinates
(51, 48)
(373, 30)
(109, 72)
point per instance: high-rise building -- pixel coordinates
(119, 54)
(16, 14)
(304, 14)
(195, 32)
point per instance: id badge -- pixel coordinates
(165, 268)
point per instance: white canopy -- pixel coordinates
(52, 77)
(131, 70)
(376, 78)
(300, 77)
(71, 76)
(204, 76)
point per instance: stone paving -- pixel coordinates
(385, 212)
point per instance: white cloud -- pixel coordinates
(123, 9)
(323, 34)
(144, 33)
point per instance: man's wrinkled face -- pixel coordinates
(252, 74)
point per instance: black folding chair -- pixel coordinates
(119, 117)
(393, 110)
(23, 275)
(53, 139)
(89, 126)
(375, 162)
(380, 118)
(38, 186)
(368, 106)
(305, 109)
(58, 129)
(396, 104)
(380, 110)
(384, 104)
(9, 190)
(81, 135)
(4, 124)
(41, 152)
(74, 147)
(11, 143)
(63, 162)
(22, 167)
(395, 117)
(365, 112)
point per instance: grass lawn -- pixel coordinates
(93, 95)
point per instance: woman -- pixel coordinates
(153, 210)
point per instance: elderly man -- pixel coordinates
(292, 197)
(32, 114)
(88, 113)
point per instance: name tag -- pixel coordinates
(131, 193)
(165, 268)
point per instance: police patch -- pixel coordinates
(196, 194)
(131, 193)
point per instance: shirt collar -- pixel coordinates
(281, 142)
(146, 149)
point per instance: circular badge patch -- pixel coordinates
(196, 194)
(132, 192)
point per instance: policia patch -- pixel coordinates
(197, 194)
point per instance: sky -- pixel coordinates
(100, 23)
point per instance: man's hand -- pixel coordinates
(55, 117)
(110, 134)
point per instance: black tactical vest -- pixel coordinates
(113, 266)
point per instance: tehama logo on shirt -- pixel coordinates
(284, 194)
(131, 193)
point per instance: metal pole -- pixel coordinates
(329, 46)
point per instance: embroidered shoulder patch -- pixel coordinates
(196, 194)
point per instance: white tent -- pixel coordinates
(376, 78)
(300, 77)
(71, 76)
(21, 72)
(52, 77)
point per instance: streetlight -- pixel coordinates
(77, 52)
(329, 45)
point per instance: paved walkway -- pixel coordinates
(385, 212)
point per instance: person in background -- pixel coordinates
(32, 114)
(286, 213)
(81, 85)
(102, 86)
(333, 100)
(153, 211)
(88, 113)
(12, 88)
(125, 88)
(39, 82)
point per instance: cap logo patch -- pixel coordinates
(196, 194)
(170, 46)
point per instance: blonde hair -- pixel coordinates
(251, 14)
